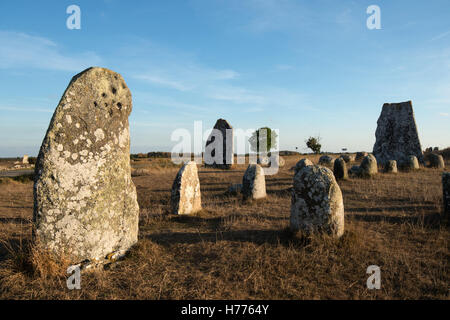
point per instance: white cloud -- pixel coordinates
(21, 50)
(444, 114)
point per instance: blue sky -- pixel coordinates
(303, 67)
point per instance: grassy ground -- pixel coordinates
(241, 250)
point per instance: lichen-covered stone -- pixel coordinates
(340, 169)
(317, 204)
(219, 151)
(85, 203)
(391, 166)
(396, 134)
(254, 182)
(436, 161)
(302, 163)
(186, 196)
(326, 160)
(446, 190)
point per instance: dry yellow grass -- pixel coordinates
(242, 250)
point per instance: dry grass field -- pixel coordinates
(242, 250)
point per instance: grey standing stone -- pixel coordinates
(340, 169)
(396, 134)
(302, 163)
(317, 204)
(436, 161)
(391, 166)
(326, 160)
(219, 150)
(254, 182)
(186, 196)
(347, 158)
(446, 190)
(85, 203)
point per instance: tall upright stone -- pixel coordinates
(317, 204)
(254, 182)
(85, 203)
(186, 196)
(396, 134)
(219, 151)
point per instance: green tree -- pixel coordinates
(313, 143)
(263, 140)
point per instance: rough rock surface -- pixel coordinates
(302, 163)
(186, 196)
(220, 154)
(396, 134)
(446, 190)
(317, 204)
(326, 160)
(391, 166)
(340, 169)
(436, 161)
(85, 203)
(347, 158)
(254, 182)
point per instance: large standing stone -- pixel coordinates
(219, 146)
(446, 190)
(254, 182)
(396, 134)
(85, 202)
(391, 166)
(317, 204)
(186, 197)
(340, 169)
(436, 161)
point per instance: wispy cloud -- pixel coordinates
(21, 50)
(444, 114)
(440, 36)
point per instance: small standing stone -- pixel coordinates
(25, 159)
(254, 182)
(436, 161)
(369, 166)
(326, 160)
(302, 163)
(391, 167)
(317, 204)
(186, 196)
(411, 163)
(219, 149)
(361, 155)
(347, 158)
(340, 169)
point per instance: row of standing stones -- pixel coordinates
(85, 203)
